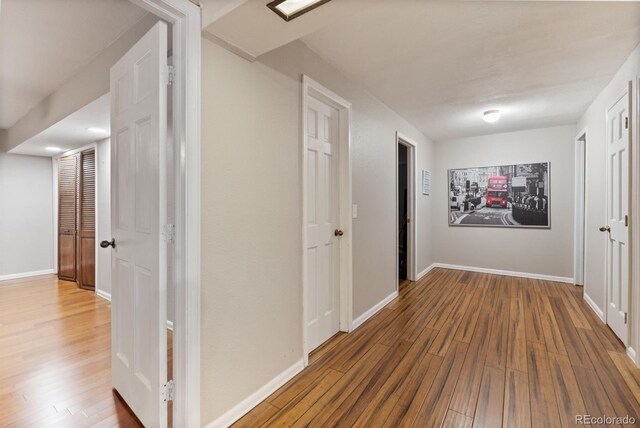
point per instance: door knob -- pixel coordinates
(605, 229)
(107, 244)
(338, 232)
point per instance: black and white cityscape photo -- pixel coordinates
(500, 196)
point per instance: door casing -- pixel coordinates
(311, 88)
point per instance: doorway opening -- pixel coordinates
(405, 210)
(403, 213)
(580, 213)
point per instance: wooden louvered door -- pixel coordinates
(77, 218)
(86, 220)
(67, 216)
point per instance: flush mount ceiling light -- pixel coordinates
(53, 149)
(97, 130)
(491, 116)
(291, 9)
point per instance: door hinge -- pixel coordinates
(626, 123)
(167, 391)
(169, 233)
(626, 220)
(625, 317)
(171, 75)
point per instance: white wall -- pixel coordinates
(104, 217)
(26, 215)
(536, 251)
(594, 122)
(252, 207)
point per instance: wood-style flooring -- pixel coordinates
(461, 349)
(55, 357)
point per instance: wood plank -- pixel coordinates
(517, 348)
(499, 334)
(465, 396)
(457, 420)
(517, 408)
(435, 405)
(491, 399)
(552, 335)
(568, 395)
(570, 337)
(544, 408)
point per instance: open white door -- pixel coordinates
(138, 216)
(618, 216)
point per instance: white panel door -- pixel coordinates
(617, 217)
(138, 213)
(322, 308)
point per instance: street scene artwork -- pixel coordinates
(500, 196)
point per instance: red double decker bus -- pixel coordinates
(497, 192)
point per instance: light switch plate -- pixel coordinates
(354, 211)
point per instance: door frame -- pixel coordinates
(185, 18)
(627, 90)
(311, 88)
(634, 320)
(412, 233)
(580, 207)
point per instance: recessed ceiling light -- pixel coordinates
(97, 130)
(290, 9)
(53, 149)
(491, 116)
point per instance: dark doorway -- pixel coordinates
(403, 211)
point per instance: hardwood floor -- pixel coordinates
(55, 357)
(461, 349)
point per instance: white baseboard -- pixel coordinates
(594, 307)
(426, 271)
(103, 294)
(631, 353)
(257, 397)
(169, 325)
(374, 310)
(506, 272)
(27, 274)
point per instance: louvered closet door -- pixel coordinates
(67, 199)
(86, 259)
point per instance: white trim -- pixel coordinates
(374, 310)
(580, 221)
(54, 173)
(27, 274)
(634, 321)
(426, 271)
(631, 353)
(594, 307)
(311, 88)
(412, 164)
(240, 409)
(103, 294)
(185, 18)
(505, 272)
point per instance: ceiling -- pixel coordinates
(72, 132)
(45, 42)
(440, 64)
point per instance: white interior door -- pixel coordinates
(322, 308)
(617, 216)
(139, 211)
